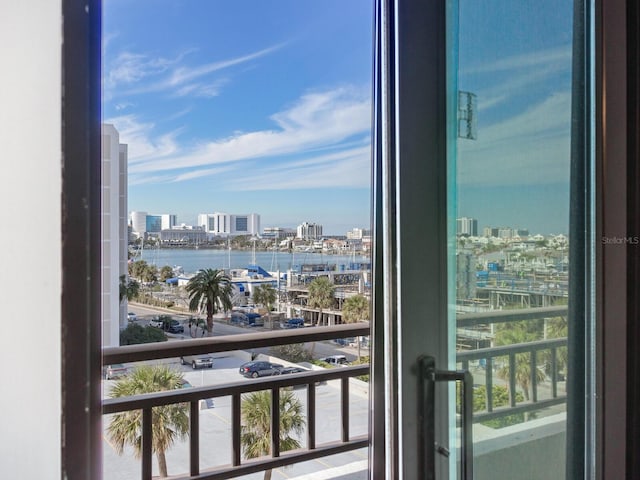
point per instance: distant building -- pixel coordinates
(309, 231)
(184, 235)
(143, 223)
(490, 232)
(358, 233)
(467, 226)
(114, 234)
(228, 224)
(277, 233)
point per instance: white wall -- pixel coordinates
(30, 180)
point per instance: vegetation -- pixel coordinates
(294, 353)
(194, 323)
(166, 273)
(209, 290)
(500, 399)
(255, 435)
(135, 334)
(129, 288)
(170, 422)
(141, 270)
(356, 309)
(321, 295)
(265, 295)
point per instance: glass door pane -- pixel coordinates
(510, 258)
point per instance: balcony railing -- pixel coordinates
(249, 341)
(192, 396)
(531, 349)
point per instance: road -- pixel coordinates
(323, 349)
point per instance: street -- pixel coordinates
(322, 349)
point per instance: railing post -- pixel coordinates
(512, 378)
(275, 422)
(194, 438)
(235, 429)
(147, 443)
(311, 416)
(489, 381)
(345, 409)
(534, 376)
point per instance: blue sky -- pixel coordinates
(516, 57)
(243, 107)
(265, 106)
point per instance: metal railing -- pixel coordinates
(511, 353)
(192, 396)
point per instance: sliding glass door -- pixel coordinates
(479, 237)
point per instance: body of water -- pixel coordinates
(193, 260)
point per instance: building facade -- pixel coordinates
(228, 224)
(467, 226)
(114, 234)
(309, 231)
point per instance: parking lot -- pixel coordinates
(215, 429)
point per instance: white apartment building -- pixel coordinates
(228, 224)
(143, 222)
(139, 222)
(467, 226)
(114, 234)
(309, 231)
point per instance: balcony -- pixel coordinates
(543, 411)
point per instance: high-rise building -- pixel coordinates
(309, 231)
(467, 226)
(228, 224)
(114, 233)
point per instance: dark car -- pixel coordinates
(260, 369)
(175, 327)
(292, 323)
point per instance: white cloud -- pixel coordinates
(317, 120)
(128, 71)
(529, 148)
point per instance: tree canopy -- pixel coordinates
(209, 290)
(321, 295)
(169, 422)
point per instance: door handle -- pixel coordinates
(429, 375)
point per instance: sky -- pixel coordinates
(243, 107)
(265, 107)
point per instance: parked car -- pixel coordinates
(197, 361)
(287, 370)
(116, 370)
(131, 317)
(156, 322)
(175, 326)
(292, 323)
(335, 360)
(257, 369)
(254, 319)
(239, 318)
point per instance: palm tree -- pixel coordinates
(356, 309)
(265, 295)
(255, 433)
(516, 333)
(169, 421)
(129, 288)
(321, 292)
(209, 289)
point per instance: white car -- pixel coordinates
(131, 317)
(156, 322)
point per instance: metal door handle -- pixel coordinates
(429, 376)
